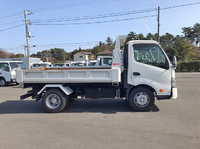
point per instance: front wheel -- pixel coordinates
(141, 99)
(54, 100)
(2, 82)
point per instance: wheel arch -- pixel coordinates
(2, 77)
(65, 89)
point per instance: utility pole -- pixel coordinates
(27, 33)
(158, 38)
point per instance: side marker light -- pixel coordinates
(162, 90)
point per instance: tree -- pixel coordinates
(58, 54)
(183, 49)
(52, 60)
(166, 42)
(197, 53)
(4, 54)
(19, 55)
(68, 56)
(131, 36)
(39, 54)
(96, 50)
(150, 36)
(140, 36)
(109, 41)
(192, 33)
(167, 39)
(34, 55)
(46, 54)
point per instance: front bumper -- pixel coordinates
(174, 93)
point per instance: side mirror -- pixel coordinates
(174, 63)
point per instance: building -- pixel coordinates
(83, 56)
(105, 53)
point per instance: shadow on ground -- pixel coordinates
(107, 106)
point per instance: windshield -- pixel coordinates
(22, 66)
(150, 54)
(43, 65)
(36, 65)
(16, 64)
(57, 65)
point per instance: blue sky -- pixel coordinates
(84, 23)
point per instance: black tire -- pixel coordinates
(54, 100)
(141, 99)
(2, 82)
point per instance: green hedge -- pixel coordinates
(192, 66)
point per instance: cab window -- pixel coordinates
(150, 54)
(107, 61)
(4, 66)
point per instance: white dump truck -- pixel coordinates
(147, 75)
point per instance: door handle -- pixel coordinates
(136, 73)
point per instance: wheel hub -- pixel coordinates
(53, 101)
(2, 82)
(141, 99)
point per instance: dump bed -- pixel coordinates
(68, 75)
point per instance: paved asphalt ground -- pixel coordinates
(102, 124)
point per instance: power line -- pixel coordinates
(11, 27)
(10, 22)
(86, 3)
(177, 6)
(76, 43)
(67, 44)
(12, 15)
(45, 22)
(57, 7)
(97, 22)
(95, 16)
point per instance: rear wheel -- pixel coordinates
(2, 82)
(141, 99)
(54, 100)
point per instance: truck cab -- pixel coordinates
(7, 71)
(104, 61)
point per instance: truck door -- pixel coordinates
(5, 71)
(149, 65)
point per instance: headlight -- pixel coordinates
(173, 82)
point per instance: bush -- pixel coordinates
(188, 66)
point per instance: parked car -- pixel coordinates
(41, 65)
(78, 64)
(61, 65)
(92, 63)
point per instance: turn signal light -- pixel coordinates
(162, 90)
